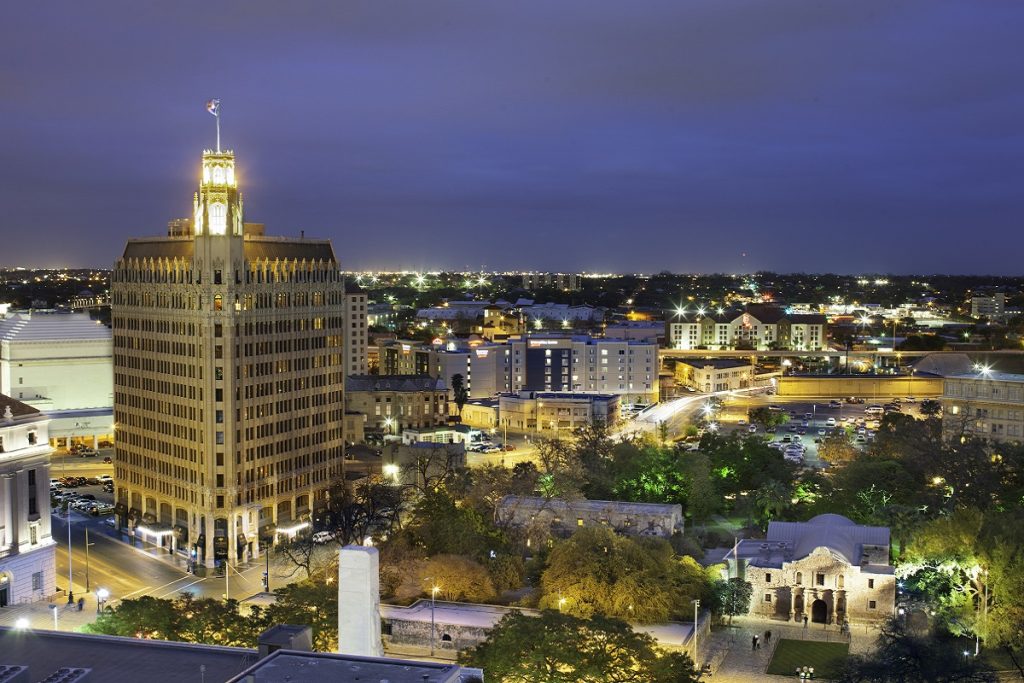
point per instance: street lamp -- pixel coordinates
(561, 604)
(696, 607)
(101, 597)
(433, 598)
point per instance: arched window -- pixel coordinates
(218, 175)
(799, 578)
(218, 218)
(218, 303)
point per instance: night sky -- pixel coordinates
(687, 135)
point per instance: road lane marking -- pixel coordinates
(145, 588)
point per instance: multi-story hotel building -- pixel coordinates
(26, 546)
(759, 328)
(228, 378)
(585, 364)
(987, 405)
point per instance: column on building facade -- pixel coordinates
(233, 538)
(21, 484)
(7, 510)
(208, 543)
(95, 442)
(797, 591)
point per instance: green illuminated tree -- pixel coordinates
(733, 597)
(597, 571)
(559, 648)
(836, 448)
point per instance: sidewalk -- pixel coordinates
(40, 616)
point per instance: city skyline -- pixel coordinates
(712, 137)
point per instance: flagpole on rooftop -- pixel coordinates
(218, 127)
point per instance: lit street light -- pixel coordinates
(101, 597)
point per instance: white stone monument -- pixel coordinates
(359, 602)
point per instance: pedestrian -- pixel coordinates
(81, 604)
(71, 597)
(805, 621)
(753, 643)
(767, 637)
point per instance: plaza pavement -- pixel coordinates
(733, 661)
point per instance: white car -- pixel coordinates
(323, 537)
(752, 429)
(831, 422)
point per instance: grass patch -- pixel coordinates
(826, 658)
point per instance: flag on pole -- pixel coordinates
(213, 106)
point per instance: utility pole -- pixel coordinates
(87, 544)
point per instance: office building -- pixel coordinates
(355, 338)
(983, 404)
(992, 307)
(62, 364)
(228, 378)
(27, 571)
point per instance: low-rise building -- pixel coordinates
(27, 570)
(545, 412)
(392, 403)
(381, 314)
(481, 413)
(544, 518)
(458, 626)
(984, 404)
(719, 374)
(827, 570)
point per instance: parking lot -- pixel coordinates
(88, 495)
(811, 421)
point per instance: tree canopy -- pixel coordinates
(560, 648)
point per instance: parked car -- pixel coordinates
(831, 422)
(323, 537)
(752, 429)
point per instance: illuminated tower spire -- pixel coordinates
(217, 205)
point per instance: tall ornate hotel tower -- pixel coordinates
(228, 378)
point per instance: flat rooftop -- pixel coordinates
(114, 659)
(303, 667)
(992, 376)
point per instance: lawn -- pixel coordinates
(826, 658)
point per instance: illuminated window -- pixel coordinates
(218, 219)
